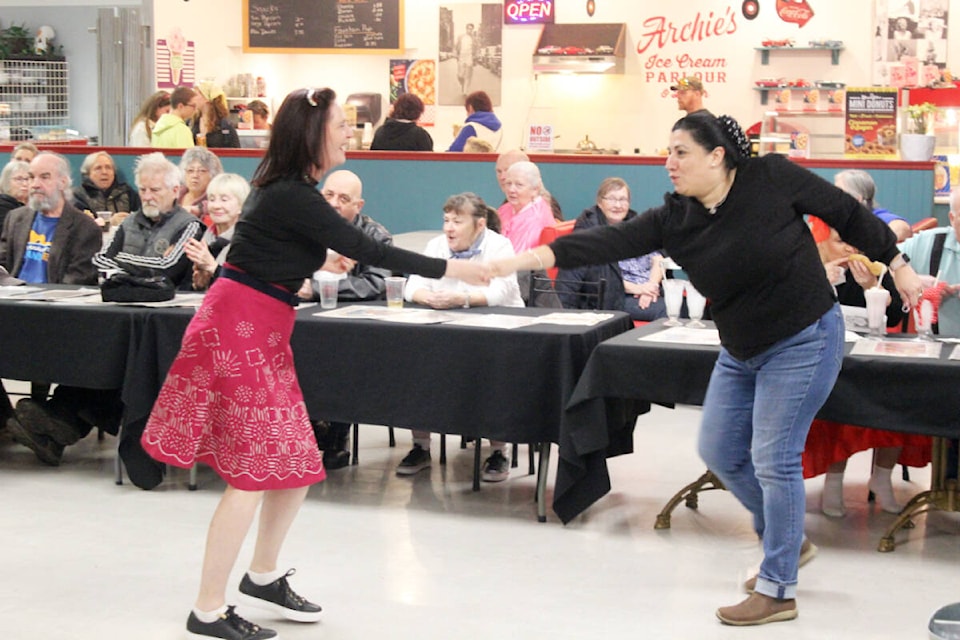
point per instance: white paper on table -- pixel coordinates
(850, 336)
(493, 320)
(685, 335)
(955, 354)
(52, 295)
(897, 348)
(15, 290)
(409, 316)
(580, 318)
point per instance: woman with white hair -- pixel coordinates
(526, 212)
(198, 167)
(225, 196)
(14, 187)
(101, 189)
(861, 186)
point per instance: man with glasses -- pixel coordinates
(171, 130)
(344, 191)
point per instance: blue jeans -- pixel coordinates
(755, 421)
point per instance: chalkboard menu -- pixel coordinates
(322, 26)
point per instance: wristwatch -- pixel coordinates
(901, 260)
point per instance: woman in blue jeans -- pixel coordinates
(737, 226)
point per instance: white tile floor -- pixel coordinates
(426, 558)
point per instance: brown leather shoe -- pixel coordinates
(758, 609)
(808, 552)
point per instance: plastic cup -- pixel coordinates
(877, 300)
(395, 291)
(104, 216)
(328, 293)
(673, 298)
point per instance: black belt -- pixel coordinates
(244, 278)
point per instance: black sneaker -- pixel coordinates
(279, 598)
(228, 626)
(37, 417)
(417, 460)
(47, 450)
(333, 460)
(496, 468)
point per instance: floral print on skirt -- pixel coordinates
(231, 398)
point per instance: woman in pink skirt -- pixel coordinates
(231, 398)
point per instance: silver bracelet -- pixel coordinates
(539, 261)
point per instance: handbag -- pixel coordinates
(123, 287)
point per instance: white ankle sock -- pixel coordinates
(209, 616)
(882, 487)
(263, 579)
(831, 500)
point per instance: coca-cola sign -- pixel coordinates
(796, 11)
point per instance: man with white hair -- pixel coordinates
(47, 241)
(153, 240)
(935, 255)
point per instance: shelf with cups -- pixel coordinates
(816, 96)
(834, 52)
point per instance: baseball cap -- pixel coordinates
(688, 82)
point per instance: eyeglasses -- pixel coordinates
(612, 200)
(196, 171)
(342, 198)
(20, 179)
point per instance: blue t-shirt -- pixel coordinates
(35, 258)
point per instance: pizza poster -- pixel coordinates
(418, 77)
(871, 130)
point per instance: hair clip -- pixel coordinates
(309, 96)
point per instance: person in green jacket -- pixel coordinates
(171, 130)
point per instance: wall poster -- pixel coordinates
(418, 77)
(470, 51)
(175, 61)
(909, 42)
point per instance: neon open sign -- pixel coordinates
(528, 11)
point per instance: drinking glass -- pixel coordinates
(922, 317)
(695, 304)
(673, 299)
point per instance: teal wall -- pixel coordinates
(406, 192)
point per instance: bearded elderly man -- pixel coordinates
(47, 241)
(153, 240)
(148, 242)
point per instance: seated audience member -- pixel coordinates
(24, 152)
(260, 113)
(198, 167)
(14, 187)
(49, 241)
(103, 190)
(153, 240)
(466, 237)
(171, 130)
(225, 196)
(344, 191)
(215, 123)
(150, 111)
(526, 212)
(476, 145)
(633, 285)
(829, 444)
(861, 186)
(481, 122)
(935, 255)
(401, 132)
(507, 158)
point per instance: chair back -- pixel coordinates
(543, 293)
(549, 234)
(924, 224)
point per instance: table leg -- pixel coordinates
(689, 493)
(942, 495)
(542, 481)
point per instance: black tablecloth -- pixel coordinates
(911, 395)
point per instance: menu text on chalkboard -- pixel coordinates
(325, 26)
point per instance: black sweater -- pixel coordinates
(755, 259)
(286, 227)
(401, 135)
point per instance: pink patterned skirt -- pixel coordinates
(231, 398)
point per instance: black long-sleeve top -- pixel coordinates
(285, 229)
(755, 258)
